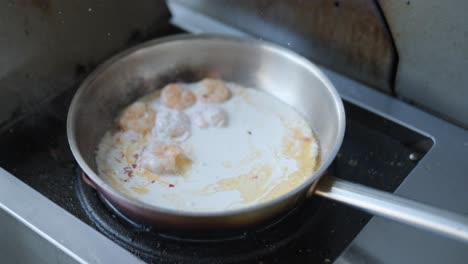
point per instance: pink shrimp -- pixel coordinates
(137, 117)
(213, 91)
(172, 96)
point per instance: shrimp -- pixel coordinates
(209, 116)
(172, 96)
(137, 117)
(165, 159)
(213, 91)
(172, 124)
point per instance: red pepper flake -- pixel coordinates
(135, 156)
(134, 165)
(128, 171)
(255, 177)
(153, 181)
(308, 139)
(125, 180)
(249, 132)
(171, 185)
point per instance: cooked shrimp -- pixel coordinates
(165, 159)
(172, 96)
(209, 116)
(213, 91)
(137, 117)
(172, 124)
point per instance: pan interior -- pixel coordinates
(286, 76)
(245, 150)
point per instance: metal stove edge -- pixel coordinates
(48, 232)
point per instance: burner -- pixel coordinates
(154, 246)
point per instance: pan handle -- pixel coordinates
(396, 208)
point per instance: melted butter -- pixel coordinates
(250, 185)
(150, 176)
(140, 189)
(298, 147)
(183, 165)
(117, 185)
(153, 178)
(133, 148)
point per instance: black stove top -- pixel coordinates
(35, 150)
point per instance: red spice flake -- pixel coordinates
(135, 156)
(122, 155)
(153, 181)
(125, 180)
(128, 171)
(255, 177)
(171, 185)
(134, 165)
(308, 139)
(249, 132)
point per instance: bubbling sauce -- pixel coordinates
(207, 146)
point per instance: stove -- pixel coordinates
(36, 151)
(388, 145)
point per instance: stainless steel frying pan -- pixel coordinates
(280, 72)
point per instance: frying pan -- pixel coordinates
(251, 63)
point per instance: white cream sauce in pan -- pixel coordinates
(237, 148)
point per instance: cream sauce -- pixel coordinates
(244, 151)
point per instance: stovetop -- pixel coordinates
(375, 152)
(49, 215)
